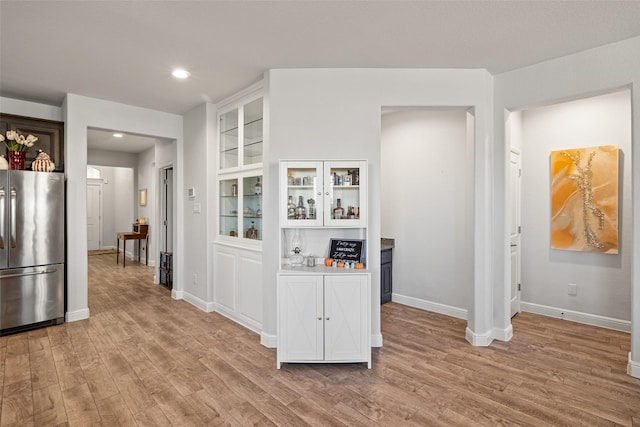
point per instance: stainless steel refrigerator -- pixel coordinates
(32, 250)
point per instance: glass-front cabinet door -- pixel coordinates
(252, 207)
(301, 192)
(229, 207)
(345, 193)
(241, 136)
(323, 194)
(241, 216)
(253, 132)
(229, 134)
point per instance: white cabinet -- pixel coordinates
(323, 194)
(324, 318)
(240, 150)
(241, 135)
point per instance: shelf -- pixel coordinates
(229, 150)
(320, 270)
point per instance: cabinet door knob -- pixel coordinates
(319, 318)
(328, 318)
(319, 193)
(327, 193)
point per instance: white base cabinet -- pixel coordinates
(324, 318)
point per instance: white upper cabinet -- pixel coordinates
(323, 194)
(241, 136)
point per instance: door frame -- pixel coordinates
(515, 241)
(97, 183)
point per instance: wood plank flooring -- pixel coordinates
(144, 359)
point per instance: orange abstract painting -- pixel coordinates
(584, 199)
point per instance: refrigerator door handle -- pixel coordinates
(33, 273)
(12, 219)
(2, 209)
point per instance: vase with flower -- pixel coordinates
(18, 146)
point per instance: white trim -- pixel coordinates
(198, 302)
(633, 368)
(478, 340)
(502, 334)
(268, 340)
(176, 294)
(376, 340)
(248, 94)
(577, 316)
(74, 316)
(447, 310)
(241, 320)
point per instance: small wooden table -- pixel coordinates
(140, 232)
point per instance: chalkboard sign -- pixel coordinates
(347, 250)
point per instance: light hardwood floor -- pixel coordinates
(145, 359)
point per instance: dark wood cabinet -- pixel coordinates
(386, 275)
(50, 136)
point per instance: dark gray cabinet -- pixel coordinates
(386, 275)
(50, 137)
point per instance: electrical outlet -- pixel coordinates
(562, 315)
(573, 289)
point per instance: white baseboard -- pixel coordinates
(198, 302)
(478, 340)
(250, 324)
(577, 316)
(503, 334)
(74, 316)
(447, 310)
(268, 340)
(376, 340)
(633, 368)
(177, 294)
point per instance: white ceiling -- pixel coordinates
(124, 51)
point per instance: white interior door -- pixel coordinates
(94, 216)
(515, 229)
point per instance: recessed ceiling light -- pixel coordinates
(118, 135)
(179, 73)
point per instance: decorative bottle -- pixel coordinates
(312, 209)
(301, 211)
(258, 188)
(291, 209)
(252, 232)
(338, 211)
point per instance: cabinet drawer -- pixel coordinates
(386, 256)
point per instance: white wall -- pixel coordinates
(604, 280)
(591, 72)
(30, 109)
(111, 158)
(197, 285)
(425, 201)
(335, 114)
(146, 178)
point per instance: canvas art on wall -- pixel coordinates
(584, 199)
